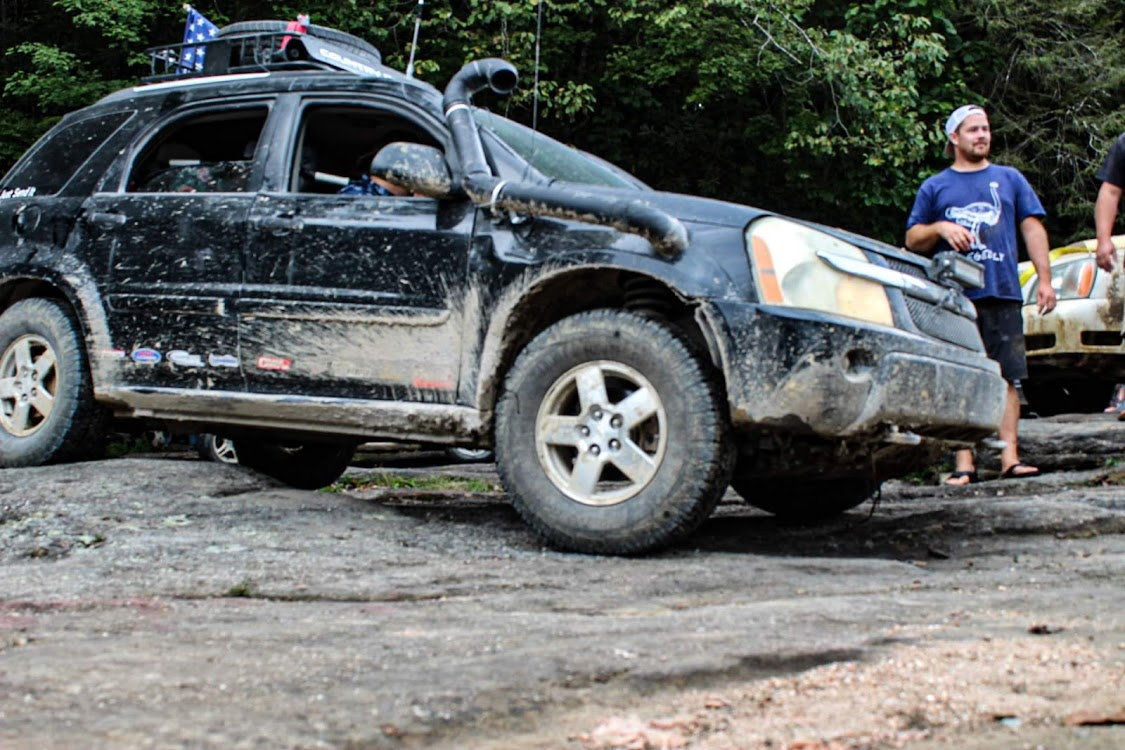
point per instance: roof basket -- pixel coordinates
(250, 51)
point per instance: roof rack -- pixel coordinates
(256, 51)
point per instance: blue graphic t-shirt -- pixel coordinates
(990, 203)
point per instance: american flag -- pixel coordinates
(197, 29)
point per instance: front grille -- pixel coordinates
(934, 320)
(1101, 338)
(1039, 341)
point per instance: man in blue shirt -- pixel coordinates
(975, 208)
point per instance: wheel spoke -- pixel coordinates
(20, 417)
(43, 403)
(637, 407)
(7, 388)
(591, 387)
(587, 472)
(557, 429)
(45, 364)
(22, 350)
(634, 463)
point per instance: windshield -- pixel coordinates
(552, 159)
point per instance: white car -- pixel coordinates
(1075, 354)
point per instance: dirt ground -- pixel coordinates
(165, 602)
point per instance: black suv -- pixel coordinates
(181, 252)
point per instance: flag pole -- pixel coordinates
(414, 43)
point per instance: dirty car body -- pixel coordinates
(180, 252)
(1077, 353)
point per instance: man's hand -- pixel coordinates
(1106, 254)
(958, 237)
(1045, 296)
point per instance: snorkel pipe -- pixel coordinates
(666, 234)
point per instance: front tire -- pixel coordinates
(306, 466)
(47, 408)
(611, 435)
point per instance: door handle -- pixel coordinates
(107, 220)
(280, 224)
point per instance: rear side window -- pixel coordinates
(208, 152)
(61, 153)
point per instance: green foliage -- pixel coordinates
(1053, 76)
(401, 482)
(818, 108)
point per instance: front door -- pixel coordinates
(353, 295)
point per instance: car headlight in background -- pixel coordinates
(1071, 280)
(790, 269)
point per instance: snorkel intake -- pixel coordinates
(666, 234)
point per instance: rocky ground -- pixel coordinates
(159, 602)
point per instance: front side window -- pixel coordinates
(336, 144)
(62, 152)
(211, 152)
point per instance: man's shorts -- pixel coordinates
(1001, 328)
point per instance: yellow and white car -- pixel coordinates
(1076, 353)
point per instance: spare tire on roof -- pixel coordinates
(351, 41)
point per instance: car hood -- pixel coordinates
(708, 212)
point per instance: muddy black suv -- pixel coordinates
(181, 252)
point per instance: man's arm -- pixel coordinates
(1105, 211)
(1038, 249)
(921, 238)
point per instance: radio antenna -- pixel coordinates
(535, 88)
(414, 43)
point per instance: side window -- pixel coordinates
(59, 154)
(335, 145)
(211, 152)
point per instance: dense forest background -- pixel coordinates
(823, 109)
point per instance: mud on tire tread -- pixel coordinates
(75, 429)
(306, 466)
(696, 466)
(353, 42)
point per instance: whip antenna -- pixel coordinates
(414, 43)
(535, 87)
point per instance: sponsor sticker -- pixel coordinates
(440, 385)
(185, 359)
(27, 192)
(222, 360)
(268, 362)
(146, 356)
(112, 354)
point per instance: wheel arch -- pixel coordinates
(17, 288)
(527, 309)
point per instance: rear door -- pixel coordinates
(173, 235)
(361, 296)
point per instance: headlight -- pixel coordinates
(1071, 280)
(789, 269)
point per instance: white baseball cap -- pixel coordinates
(955, 121)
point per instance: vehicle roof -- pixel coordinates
(206, 87)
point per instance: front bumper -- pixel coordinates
(806, 372)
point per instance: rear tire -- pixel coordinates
(47, 408)
(611, 436)
(307, 466)
(805, 502)
(219, 449)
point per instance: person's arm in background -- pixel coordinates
(921, 238)
(1105, 212)
(1038, 249)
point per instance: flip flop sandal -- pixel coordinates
(972, 475)
(1010, 472)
